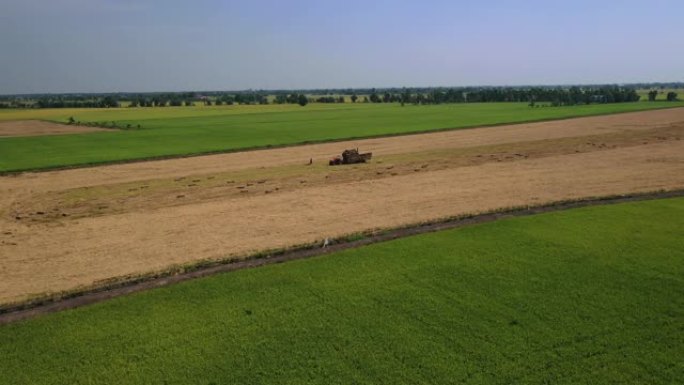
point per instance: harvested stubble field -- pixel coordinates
(17, 128)
(74, 228)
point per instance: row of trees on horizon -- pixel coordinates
(552, 96)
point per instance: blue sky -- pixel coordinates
(126, 45)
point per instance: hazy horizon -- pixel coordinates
(102, 46)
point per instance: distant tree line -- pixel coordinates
(59, 101)
(293, 98)
(330, 99)
(553, 96)
(548, 95)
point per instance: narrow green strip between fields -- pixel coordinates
(590, 295)
(182, 131)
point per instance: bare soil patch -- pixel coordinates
(39, 128)
(67, 229)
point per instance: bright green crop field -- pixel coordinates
(176, 131)
(586, 296)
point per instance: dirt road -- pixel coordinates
(67, 229)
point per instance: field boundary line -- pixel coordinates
(121, 286)
(298, 144)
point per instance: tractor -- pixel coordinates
(351, 157)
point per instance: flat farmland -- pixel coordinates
(179, 131)
(70, 229)
(591, 295)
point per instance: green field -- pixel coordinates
(592, 295)
(191, 130)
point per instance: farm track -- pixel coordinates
(72, 230)
(75, 299)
